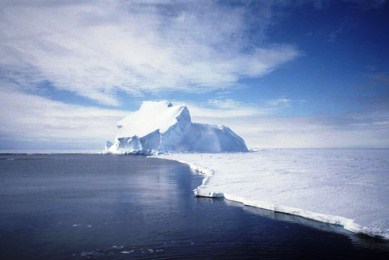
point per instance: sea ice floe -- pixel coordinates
(338, 186)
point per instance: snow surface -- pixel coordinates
(163, 127)
(344, 187)
(153, 116)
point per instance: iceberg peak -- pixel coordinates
(164, 127)
(152, 116)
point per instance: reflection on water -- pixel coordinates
(120, 207)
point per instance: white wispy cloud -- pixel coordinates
(360, 130)
(99, 48)
(285, 102)
(47, 123)
(215, 110)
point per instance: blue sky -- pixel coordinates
(279, 73)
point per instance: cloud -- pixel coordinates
(215, 111)
(98, 49)
(29, 119)
(284, 102)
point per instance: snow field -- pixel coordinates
(343, 187)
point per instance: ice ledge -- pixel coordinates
(346, 223)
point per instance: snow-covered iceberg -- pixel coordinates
(163, 127)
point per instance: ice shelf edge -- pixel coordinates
(347, 223)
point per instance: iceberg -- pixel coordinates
(160, 127)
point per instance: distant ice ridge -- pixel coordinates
(349, 188)
(159, 127)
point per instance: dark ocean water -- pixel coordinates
(132, 207)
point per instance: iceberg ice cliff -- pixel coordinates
(163, 127)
